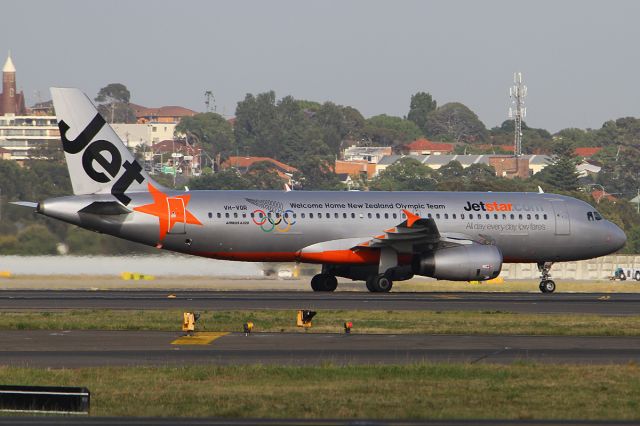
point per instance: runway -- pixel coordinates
(70, 349)
(592, 303)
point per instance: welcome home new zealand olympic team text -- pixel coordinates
(412, 206)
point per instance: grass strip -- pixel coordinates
(417, 391)
(416, 322)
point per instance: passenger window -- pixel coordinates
(244, 215)
(395, 216)
(462, 215)
(504, 216)
(528, 217)
(295, 215)
(488, 216)
(336, 215)
(344, 215)
(377, 215)
(302, 215)
(310, 215)
(210, 215)
(453, 215)
(545, 216)
(220, 215)
(495, 215)
(537, 216)
(353, 215)
(512, 216)
(268, 215)
(386, 215)
(404, 216)
(520, 216)
(319, 215)
(226, 215)
(437, 215)
(429, 215)
(446, 215)
(235, 215)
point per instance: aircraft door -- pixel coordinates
(561, 214)
(177, 215)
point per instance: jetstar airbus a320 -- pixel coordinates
(376, 237)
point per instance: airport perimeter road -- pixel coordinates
(96, 348)
(593, 303)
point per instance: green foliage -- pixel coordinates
(212, 132)
(421, 105)
(36, 240)
(561, 173)
(225, 179)
(621, 177)
(534, 141)
(385, 130)
(455, 122)
(407, 174)
(113, 103)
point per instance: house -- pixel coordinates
(587, 169)
(165, 114)
(426, 147)
(371, 154)
(355, 168)
(587, 151)
(243, 165)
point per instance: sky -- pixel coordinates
(579, 59)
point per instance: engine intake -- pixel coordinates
(461, 263)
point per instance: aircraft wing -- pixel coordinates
(414, 235)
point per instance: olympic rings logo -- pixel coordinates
(281, 223)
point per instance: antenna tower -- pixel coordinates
(209, 101)
(517, 93)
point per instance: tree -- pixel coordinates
(562, 172)
(226, 179)
(113, 103)
(455, 122)
(385, 130)
(264, 175)
(212, 131)
(421, 105)
(406, 174)
(620, 174)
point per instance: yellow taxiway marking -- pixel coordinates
(604, 297)
(203, 338)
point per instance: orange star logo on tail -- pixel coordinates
(169, 210)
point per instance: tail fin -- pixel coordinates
(97, 159)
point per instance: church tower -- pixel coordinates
(9, 94)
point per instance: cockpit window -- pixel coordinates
(597, 216)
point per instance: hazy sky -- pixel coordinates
(580, 59)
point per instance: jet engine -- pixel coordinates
(461, 263)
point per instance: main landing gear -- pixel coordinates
(547, 285)
(324, 282)
(379, 283)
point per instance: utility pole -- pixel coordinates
(517, 93)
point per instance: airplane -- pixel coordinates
(375, 237)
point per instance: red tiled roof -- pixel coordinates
(246, 162)
(165, 111)
(598, 195)
(427, 145)
(587, 151)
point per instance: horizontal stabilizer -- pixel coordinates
(109, 208)
(29, 204)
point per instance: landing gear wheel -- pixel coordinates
(379, 284)
(324, 282)
(547, 286)
(637, 276)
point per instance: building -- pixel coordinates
(173, 156)
(134, 135)
(587, 151)
(356, 168)
(12, 101)
(370, 154)
(166, 114)
(243, 165)
(510, 166)
(426, 147)
(587, 169)
(20, 130)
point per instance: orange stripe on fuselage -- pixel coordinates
(338, 257)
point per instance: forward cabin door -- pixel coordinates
(561, 214)
(177, 215)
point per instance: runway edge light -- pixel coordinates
(303, 319)
(248, 327)
(348, 325)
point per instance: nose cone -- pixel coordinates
(615, 237)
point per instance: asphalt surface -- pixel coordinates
(69, 349)
(593, 303)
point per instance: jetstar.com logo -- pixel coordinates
(169, 210)
(488, 207)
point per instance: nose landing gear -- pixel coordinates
(547, 285)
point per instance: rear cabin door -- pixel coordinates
(561, 214)
(177, 215)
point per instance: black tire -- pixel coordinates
(550, 286)
(637, 277)
(380, 284)
(623, 276)
(324, 282)
(542, 286)
(370, 285)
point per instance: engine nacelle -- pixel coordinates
(461, 263)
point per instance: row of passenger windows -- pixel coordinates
(319, 215)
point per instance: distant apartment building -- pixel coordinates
(21, 130)
(370, 154)
(244, 164)
(166, 114)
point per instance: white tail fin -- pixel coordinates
(97, 159)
